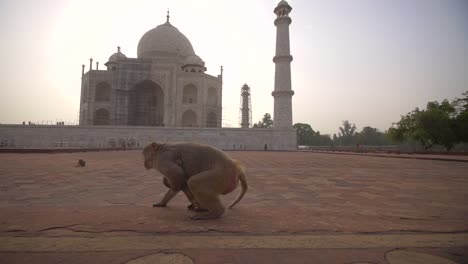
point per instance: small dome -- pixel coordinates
(117, 56)
(194, 60)
(282, 9)
(282, 2)
(164, 40)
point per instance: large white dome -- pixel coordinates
(163, 41)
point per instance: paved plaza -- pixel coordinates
(301, 207)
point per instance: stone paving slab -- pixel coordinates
(251, 255)
(44, 196)
(188, 241)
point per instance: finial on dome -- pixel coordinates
(167, 15)
(118, 49)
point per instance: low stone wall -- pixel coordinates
(360, 148)
(102, 137)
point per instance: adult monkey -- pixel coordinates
(200, 171)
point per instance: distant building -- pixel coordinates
(165, 95)
(165, 86)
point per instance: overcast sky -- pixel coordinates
(366, 61)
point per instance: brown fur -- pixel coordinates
(194, 206)
(200, 171)
(81, 163)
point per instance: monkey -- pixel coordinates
(193, 206)
(81, 163)
(202, 172)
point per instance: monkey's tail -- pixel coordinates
(243, 185)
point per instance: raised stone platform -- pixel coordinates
(301, 207)
(132, 137)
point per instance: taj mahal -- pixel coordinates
(165, 95)
(165, 86)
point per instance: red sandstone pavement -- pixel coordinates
(301, 207)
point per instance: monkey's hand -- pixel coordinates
(167, 197)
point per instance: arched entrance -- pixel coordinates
(101, 117)
(146, 105)
(190, 94)
(189, 119)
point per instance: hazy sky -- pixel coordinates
(366, 61)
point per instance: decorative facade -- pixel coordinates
(166, 85)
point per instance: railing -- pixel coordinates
(391, 149)
(358, 148)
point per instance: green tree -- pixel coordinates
(460, 127)
(335, 139)
(305, 134)
(321, 140)
(436, 121)
(400, 131)
(435, 125)
(460, 122)
(346, 133)
(371, 136)
(266, 122)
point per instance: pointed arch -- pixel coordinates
(189, 119)
(101, 117)
(190, 94)
(146, 104)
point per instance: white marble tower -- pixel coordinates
(246, 107)
(283, 93)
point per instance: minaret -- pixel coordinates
(246, 107)
(283, 93)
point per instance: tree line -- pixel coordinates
(347, 136)
(439, 124)
(444, 124)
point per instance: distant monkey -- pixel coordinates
(81, 163)
(202, 172)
